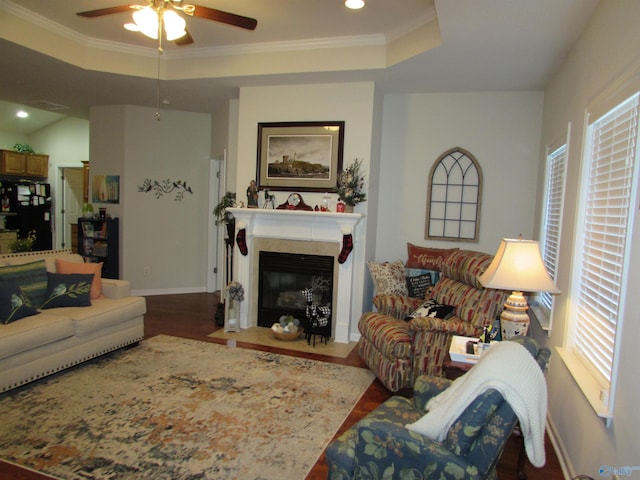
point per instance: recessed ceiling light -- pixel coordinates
(354, 4)
(22, 114)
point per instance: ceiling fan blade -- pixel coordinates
(184, 40)
(225, 17)
(105, 11)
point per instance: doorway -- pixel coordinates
(70, 204)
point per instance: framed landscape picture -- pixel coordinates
(300, 156)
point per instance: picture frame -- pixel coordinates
(300, 156)
(87, 229)
(106, 189)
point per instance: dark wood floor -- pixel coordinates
(192, 316)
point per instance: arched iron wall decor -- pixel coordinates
(453, 198)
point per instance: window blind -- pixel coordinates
(604, 237)
(554, 198)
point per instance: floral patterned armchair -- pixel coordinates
(380, 446)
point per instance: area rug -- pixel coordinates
(179, 409)
(263, 336)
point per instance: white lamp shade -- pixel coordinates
(174, 25)
(147, 21)
(518, 265)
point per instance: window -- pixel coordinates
(551, 226)
(453, 199)
(606, 211)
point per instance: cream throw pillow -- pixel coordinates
(388, 277)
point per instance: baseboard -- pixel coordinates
(563, 458)
(167, 291)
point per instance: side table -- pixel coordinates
(453, 370)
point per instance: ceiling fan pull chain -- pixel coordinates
(158, 89)
(159, 13)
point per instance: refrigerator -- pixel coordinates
(26, 207)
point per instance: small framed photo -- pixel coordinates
(87, 229)
(300, 156)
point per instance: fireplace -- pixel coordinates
(304, 233)
(281, 279)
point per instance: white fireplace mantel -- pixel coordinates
(300, 225)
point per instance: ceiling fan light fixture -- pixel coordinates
(354, 4)
(147, 21)
(174, 25)
(132, 27)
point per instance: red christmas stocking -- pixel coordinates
(347, 247)
(241, 239)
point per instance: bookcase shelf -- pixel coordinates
(98, 242)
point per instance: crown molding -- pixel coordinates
(70, 34)
(374, 40)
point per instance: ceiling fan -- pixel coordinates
(151, 18)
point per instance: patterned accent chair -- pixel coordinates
(398, 351)
(380, 446)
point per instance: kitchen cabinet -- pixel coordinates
(24, 164)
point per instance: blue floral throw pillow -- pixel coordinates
(68, 290)
(14, 304)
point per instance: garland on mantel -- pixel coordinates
(166, 186)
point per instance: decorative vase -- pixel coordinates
(231, 321)
(87, 210)
(348, 208)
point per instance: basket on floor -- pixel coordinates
(288, 336)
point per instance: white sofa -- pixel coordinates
(58, 338)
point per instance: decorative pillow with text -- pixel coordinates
(427, 258)
(418, 285)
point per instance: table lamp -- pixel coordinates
(517, 266)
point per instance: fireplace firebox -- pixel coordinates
(281, 279)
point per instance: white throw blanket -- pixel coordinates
(508, 368)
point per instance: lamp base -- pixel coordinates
(514, 319)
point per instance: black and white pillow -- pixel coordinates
(433, 309)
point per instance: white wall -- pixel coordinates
(9, 139)
(502, 130)
(606, 53)
(354, 103)
(165, 236)
(67, 144)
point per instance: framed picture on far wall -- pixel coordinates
(300, 156)
(105, 189)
